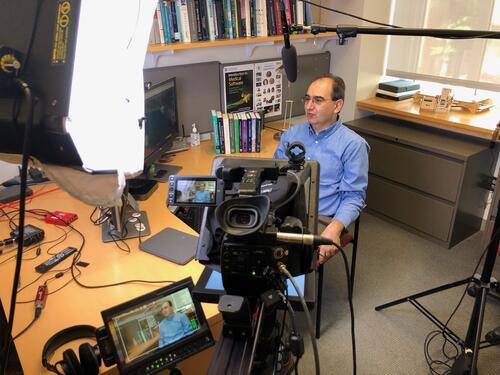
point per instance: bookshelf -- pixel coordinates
(157, 48)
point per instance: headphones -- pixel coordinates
(90, 358)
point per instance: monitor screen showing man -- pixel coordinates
(145, 329)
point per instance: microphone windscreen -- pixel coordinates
(289, 56)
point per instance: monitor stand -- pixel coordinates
(144, 185)
(125, 221)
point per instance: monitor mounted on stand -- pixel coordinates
(161, 131)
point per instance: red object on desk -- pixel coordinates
(60, 217)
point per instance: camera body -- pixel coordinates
(259, 198)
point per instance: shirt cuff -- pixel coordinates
(344, 217)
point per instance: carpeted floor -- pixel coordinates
(393, 263)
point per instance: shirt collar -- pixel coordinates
(328, 131)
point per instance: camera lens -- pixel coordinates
(242, 217)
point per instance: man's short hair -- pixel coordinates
(167, 302)
(338, 85)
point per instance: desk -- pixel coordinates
(75, 305)
(479, 125)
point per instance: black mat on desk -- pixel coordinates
(172, 245)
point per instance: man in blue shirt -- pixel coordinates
(174, 326)
(341, 153)
(201, 195)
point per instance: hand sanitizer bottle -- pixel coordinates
(195, 136)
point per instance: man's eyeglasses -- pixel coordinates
(318, 100)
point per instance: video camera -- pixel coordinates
(258, 215)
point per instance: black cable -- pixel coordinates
(351, 308)
(15, 105)
(351, 15)
(35, 318)
(22, 205)
(101, 219)
(116, 239)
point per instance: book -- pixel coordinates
(210, 7)
(261, 17)
(399, 85)
(227, 134)
(397, 98)
(236, 130)
(258, 127)
(215, 130)
(220, 128)
(193, 23)
(231, 119)
(396, 94)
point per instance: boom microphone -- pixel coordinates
(288, 52)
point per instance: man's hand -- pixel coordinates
(333, 232)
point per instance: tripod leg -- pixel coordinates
(424, 293)
(475, 354)
(468, 359)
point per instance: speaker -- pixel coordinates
(88, 360)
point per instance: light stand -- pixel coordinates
(126, 221)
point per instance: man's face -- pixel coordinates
(202, 187)
(167, 310)
(321, 111)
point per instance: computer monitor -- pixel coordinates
(161, 129)
(157, 330)
(162, 121)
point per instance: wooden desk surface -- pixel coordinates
(479, 125)
(74, 305)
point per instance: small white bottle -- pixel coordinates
(195, 136)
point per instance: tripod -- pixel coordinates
(466, 362)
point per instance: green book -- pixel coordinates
(237, 132)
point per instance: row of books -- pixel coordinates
(188, 21)
(236, 132)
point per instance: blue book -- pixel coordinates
(215, 127)
(166, 21)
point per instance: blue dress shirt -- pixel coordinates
(343, 158)
(173, 328)
(202, 196)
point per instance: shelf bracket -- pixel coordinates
(153, 58)
(279, 45)
(320, 43)
(249, 48)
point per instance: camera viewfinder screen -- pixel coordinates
(195, 191)
(153, 326)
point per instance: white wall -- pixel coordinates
(361, 61)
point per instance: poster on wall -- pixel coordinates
(238, 88)
(268, 87)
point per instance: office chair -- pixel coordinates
(346, 239)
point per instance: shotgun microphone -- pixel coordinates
(288, 52)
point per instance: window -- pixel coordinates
(471, 62)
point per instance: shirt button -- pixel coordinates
(316, 142)
(308, 158)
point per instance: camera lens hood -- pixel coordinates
(243, 215)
